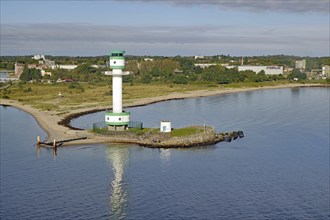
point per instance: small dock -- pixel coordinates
(59, 143)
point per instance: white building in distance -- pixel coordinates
(269, 70)
(38, 57)
(326, 71)
(65, 67)
(204, 65)
(199, 57)
(300, 64)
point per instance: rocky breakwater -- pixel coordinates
(155, 139)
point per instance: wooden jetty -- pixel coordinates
(56, 143)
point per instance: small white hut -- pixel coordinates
(165, 126)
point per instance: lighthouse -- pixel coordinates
(117, 119)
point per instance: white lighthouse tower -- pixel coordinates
(117, 119)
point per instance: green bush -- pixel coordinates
(76, 86)
(71, 86)
(146, 78)
(180, 79)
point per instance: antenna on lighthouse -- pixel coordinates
(117, 119)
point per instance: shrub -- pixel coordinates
(180, 79)
(71, 86)
(146, 78)
(76, 86)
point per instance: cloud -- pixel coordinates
(87, 39)
(289, 6)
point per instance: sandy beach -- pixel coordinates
(49, 120)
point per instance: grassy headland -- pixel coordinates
(65, 97)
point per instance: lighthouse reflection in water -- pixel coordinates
(118, 156)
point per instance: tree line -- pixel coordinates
(160, 71)
(179, 70)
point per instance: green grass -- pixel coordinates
(136, 131)
(142, 131)
(46, 106)
(177, 132)
(46, 96)
(180, 132)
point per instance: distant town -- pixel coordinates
(221, 69)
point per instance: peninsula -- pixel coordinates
(56, 123)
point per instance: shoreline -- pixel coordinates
(57, 127)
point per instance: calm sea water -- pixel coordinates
(4, 74)
(280, 170)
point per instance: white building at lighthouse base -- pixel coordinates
(117, 121)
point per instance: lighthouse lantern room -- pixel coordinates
(117, 119)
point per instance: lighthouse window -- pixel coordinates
(114, 62)
(119, 119)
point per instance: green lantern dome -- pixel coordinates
(117, 59)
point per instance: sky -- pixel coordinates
(165, 27)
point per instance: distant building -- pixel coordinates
(301, 64)
(38, 57)
(228, 66)
(49, 63)
(148, 59)
(43, 73)
(199, 57)
(65, 67)
(40, 67)
(36, 66)
(269, 70)
(19, 67)
(204, 65)
(326, 71)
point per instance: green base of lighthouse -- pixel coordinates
(117, 121)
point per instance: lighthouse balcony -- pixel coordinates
(111, 73)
